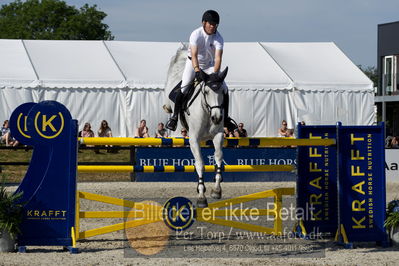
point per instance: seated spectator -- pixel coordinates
(6, 135)
(184, 133)
(4, 132)
(240, 131)
(227, 133)
(142, 130)
(104, 131)
(284, 131)
(295, 132)
(161, 132)
(87, 132)
(388, 142)
(395, 142)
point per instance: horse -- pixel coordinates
(203, 116)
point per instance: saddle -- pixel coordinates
(186, 101)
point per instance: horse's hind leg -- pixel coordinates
(196, 151)
(216, 193)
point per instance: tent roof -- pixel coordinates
(75, 64)
(144, 64)
(315, 65)
(250, 66)
(15, 66)
(117, 64)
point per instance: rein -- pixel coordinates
(195, 96)
(201, 89)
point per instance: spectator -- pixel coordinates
(395, 142)
(295, 132)
(104, 132)
(184, 133)
(86, 132)
(240, 131)
(4, 132)
(284, 131)
(142, 130)
(227, 133)
(161, 132)
(6, 135)
(388, 142)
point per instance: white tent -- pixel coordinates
(122, 82)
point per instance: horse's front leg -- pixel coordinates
(216, 193)
(199, 165)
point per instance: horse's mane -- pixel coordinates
(176, 68)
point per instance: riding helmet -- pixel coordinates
(211, 16)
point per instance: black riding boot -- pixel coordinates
(172, 123)
(228, 122)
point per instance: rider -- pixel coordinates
(205, 52)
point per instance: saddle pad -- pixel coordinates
(173, 93)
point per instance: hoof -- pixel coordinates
(216, 194)
(202, 203)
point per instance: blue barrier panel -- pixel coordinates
(232, 156)
(19, 130)
(317, 181)
(49, 186)
(362, 197)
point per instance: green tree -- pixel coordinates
(370, 72)
(52, 20)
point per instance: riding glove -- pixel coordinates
(199, 76)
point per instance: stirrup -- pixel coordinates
(171, 124)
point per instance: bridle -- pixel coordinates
(207, 105)
(202, 90)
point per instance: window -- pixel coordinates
(396, 73)
(390, 75)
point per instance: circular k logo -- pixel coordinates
(178, 213)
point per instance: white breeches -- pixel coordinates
(189, 75)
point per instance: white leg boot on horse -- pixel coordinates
(216, 193)
(199, 165)
(202, 202)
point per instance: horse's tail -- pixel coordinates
(175, 72)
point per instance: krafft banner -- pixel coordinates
(49, 185)
(317, 181)
(362, 197)
(231, 156)
(343, 187)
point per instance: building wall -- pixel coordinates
(388, 44)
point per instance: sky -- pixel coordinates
(350, 24)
